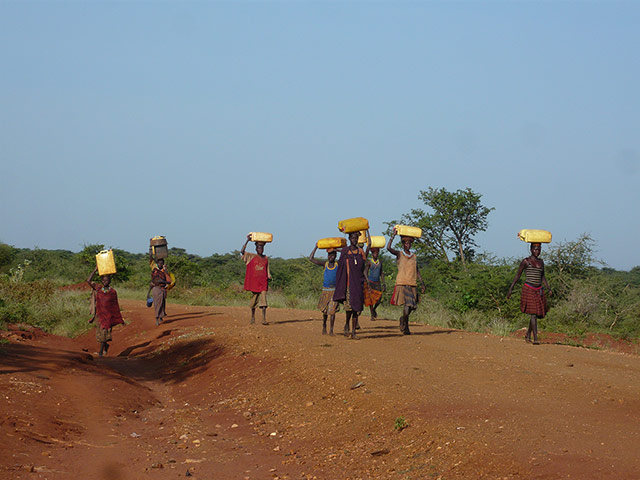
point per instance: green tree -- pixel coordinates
(455, 218)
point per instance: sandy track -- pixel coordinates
(206, 394)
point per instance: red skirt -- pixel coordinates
(533, 301)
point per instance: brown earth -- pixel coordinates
(207, 396)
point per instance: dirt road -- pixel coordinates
(207, 396)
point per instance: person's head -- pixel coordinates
(106, 280)
(536, 248)
(259, 248)
(406, 242)
(160, 262)
(375, 252)
(353, 238)
(331, 255)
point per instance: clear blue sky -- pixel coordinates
(204, 121)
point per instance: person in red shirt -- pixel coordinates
(256, 279)
(106, 308)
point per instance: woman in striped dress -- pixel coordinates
(534, 298)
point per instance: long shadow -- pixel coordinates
(364, 336)
(168, 363)
(178, 318)
(282, 322)
(127, 351)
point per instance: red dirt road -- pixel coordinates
(207, 396)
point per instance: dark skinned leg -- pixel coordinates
(264, 315)
(253, 316)
(372, 309)
(354, 325)
(534, 324)
(527, 337)
(346, 325)
(332, 320)
(406, 313)
(101, 352)
(324, 323)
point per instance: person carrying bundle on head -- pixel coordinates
(374, 284)
(350, 280)
(534, 299)
(160, 278)
(326, 304)
(405, 292)
(106, 310)
(256, 278)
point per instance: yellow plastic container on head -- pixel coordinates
(106, 263)
(408, 231)
(261, 237)
(534, 236)
(351, 225)
(377, 241)
(332, 242)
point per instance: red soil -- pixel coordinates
(208, 395)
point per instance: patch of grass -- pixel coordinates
(500, 327)
(400, 424)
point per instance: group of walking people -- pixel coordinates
(355, 281)
(352, 280)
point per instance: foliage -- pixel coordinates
(457, 217)
(400, 424)
(42, 305)
(470, 297)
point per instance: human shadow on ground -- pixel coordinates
(364, 336)
(301, 320)
(189, 316)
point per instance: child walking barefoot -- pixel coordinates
(326, 304)
(107, 310)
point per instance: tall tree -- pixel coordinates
(455, 219)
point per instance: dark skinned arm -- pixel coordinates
(366, 253)
(422, 287)
(523, 265)
(90, 279)
(315, 260)
(544, 279)
(390, 249)
(244, 247)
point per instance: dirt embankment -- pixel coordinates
(206, 395)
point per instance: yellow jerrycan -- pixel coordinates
(106, 262)
(355, 224)
(332, 242)
(409, 231)
(534, 236)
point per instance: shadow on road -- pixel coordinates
(366, 336)
(282, 322)
(187, 316)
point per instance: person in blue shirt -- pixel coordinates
(374, 285)
(326, 304)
